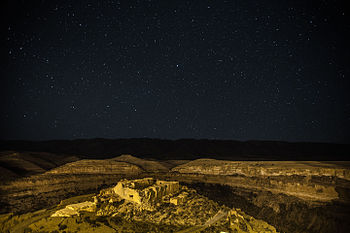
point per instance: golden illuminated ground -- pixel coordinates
(108, 212)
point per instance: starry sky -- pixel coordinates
(241, 70)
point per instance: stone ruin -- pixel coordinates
(146, 191)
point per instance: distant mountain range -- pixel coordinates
(100, 148)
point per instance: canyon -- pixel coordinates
(292, 196)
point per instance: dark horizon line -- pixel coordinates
(178, 139)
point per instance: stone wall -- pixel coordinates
(147, 190)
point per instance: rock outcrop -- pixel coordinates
(194, 213)
(75, 209)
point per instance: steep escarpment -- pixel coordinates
(286, 213)
(295, 178)
(266, 168)
(293, 196)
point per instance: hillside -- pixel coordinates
(19, 164)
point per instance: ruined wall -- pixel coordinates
(168, 187)
(141, 183)
(127, 193)
(146, 190)
(180, 199)
(155, 192)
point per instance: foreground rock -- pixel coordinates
(75, 209)
(158, 206)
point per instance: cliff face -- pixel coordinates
(295, 196)
(309, 180)
(266, 169)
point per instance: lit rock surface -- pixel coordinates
(110, 212)
(74, 209)
(190, 209)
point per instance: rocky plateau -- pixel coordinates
(291, 196)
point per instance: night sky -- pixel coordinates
(241, 70)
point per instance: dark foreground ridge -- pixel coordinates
(186, 149)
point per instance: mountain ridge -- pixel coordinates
(185, 149)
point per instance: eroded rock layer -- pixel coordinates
(266, 168)
(310, 180)
(92, 166)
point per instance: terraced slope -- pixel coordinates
(146, 165)
(93, 166)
